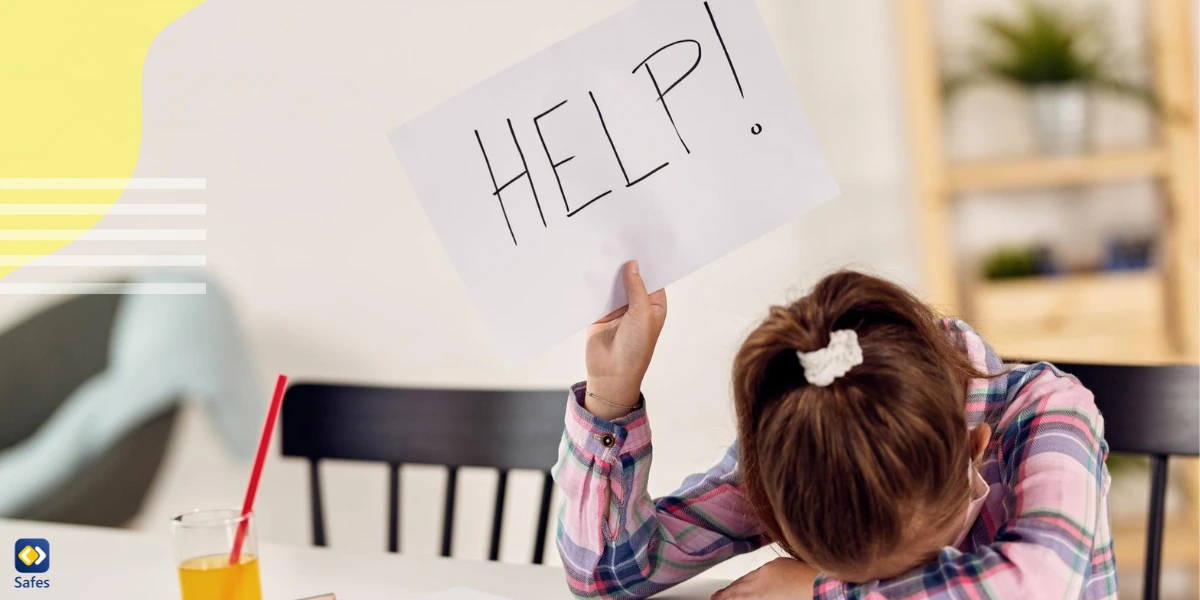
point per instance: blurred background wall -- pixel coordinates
(337, 274)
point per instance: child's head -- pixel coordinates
(866, 477)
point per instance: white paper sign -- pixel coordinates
(668, 133)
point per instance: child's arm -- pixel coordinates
(615, 541)
(1053, 456)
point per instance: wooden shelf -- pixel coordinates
(1171, 161)
(1053, 171)
(1136, 317)
(1088, 281)
(1106, 317)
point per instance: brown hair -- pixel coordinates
(848, 466)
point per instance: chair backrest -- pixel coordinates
(450, 427)
(1152, 410)
(1147, 409)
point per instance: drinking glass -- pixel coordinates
(203, 541)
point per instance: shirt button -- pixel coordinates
(607, 440)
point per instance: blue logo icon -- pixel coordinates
(32, 555)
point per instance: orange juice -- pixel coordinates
(212, 578)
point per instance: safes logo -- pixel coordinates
(31, 555)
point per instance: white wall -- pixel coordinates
(338, 275)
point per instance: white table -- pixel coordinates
(91, 562)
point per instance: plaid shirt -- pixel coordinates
(1043, 532)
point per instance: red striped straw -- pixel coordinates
(263, 442)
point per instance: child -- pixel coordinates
(888, 453)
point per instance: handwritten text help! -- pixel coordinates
(668, 133)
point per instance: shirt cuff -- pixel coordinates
(606, 440)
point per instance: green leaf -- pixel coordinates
(1041, 44)
(1130, 90)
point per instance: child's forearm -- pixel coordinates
(610, 402)
(616, 541)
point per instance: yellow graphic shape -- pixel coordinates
(28, 555)
(71, 103)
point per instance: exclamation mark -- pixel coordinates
(757, 128)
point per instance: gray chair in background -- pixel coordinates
(43, 360)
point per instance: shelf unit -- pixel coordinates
(1119, 317)
(1172, 162)
(1048, 172)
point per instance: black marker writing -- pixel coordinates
(493, 176)
(555, 165)
(756, 128)
(662, 94)
(621, 164)
(648, 64)
(501, 188)
(728, 58)
(525, 173)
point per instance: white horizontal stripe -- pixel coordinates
(75, 289)
(103, 235)
(103, 209)
(103, 183)
(109, 260)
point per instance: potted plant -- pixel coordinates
(1013, 262)
(1059, 57)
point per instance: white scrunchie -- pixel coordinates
(843, 353)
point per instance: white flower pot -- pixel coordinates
(1061, 118)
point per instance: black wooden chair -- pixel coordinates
(1151, 410)
(454, 428)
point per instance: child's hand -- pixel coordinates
(780, 579)
(619, 347)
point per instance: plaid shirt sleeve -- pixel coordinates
(615, 541)
(1052, 457)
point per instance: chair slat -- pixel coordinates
(1154, 526)
(539, 544)
(498, 515)
(393, 507)
(448, 517)
(318, 515)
